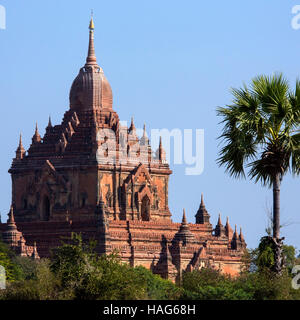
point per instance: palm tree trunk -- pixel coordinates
(276, 224)
(276, 206)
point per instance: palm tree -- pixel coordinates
(262, 133)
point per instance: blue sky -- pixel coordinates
(170, 64)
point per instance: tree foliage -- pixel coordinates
(261, 129)
(12, 269)
(75, 271)
(262, 132)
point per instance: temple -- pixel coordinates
(93, 176)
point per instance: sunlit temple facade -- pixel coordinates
(93, 176)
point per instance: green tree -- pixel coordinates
(27, 265)
(210, 284)
(157, 288)
(85, 275)
(261, 132)
(44, 285)
(12, 269)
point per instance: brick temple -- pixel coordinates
(93, 176)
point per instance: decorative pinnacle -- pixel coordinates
(219, 220)
(49, 122)
(228, 227)
(11, 218)
(34, 253)
(183, 218)
(91, 58)
(132, 126)
(235, 235)
(92, 27)
(36, 137)
(202, 205)
(241, 235)
(20, 141)
(20, 152)
(20, 147)
(144, 139)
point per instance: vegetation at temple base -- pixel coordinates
(262, 132)
(75, 271)
(7, 260)
(257, 281)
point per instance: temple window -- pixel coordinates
(145, 209)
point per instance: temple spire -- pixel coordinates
(241, 235)
(161, 153)
(36, 137)
(132, 126)
(237, 241)
(184, 234)
(227, 222)
(91, 57)
(20, 152)
(34, 252)
(219, 220)
(235, 235)
(219, 229)
(11, 218)
(49, 123)
(145, 138)
(202, 216)
(20, 142)
(183, 218)
(202, 201)
(229, 231)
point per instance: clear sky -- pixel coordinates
(170, 64)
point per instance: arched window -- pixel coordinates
(83, 202)
(25, 204)
(46, 209)
(145, 209)
(83, 199)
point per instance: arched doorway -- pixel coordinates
(46, 209)
(145, 208)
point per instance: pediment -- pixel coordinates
(140, 176)
(49, 175)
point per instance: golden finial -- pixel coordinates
(92, 27)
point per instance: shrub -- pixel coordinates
(12, 269)
(156, 287)
(210, 284)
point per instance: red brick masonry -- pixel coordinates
(62, 184)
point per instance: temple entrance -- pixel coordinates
(145, 209)
(46, 209)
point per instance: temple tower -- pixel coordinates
(90, 151)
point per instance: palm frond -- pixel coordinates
(261, 117)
